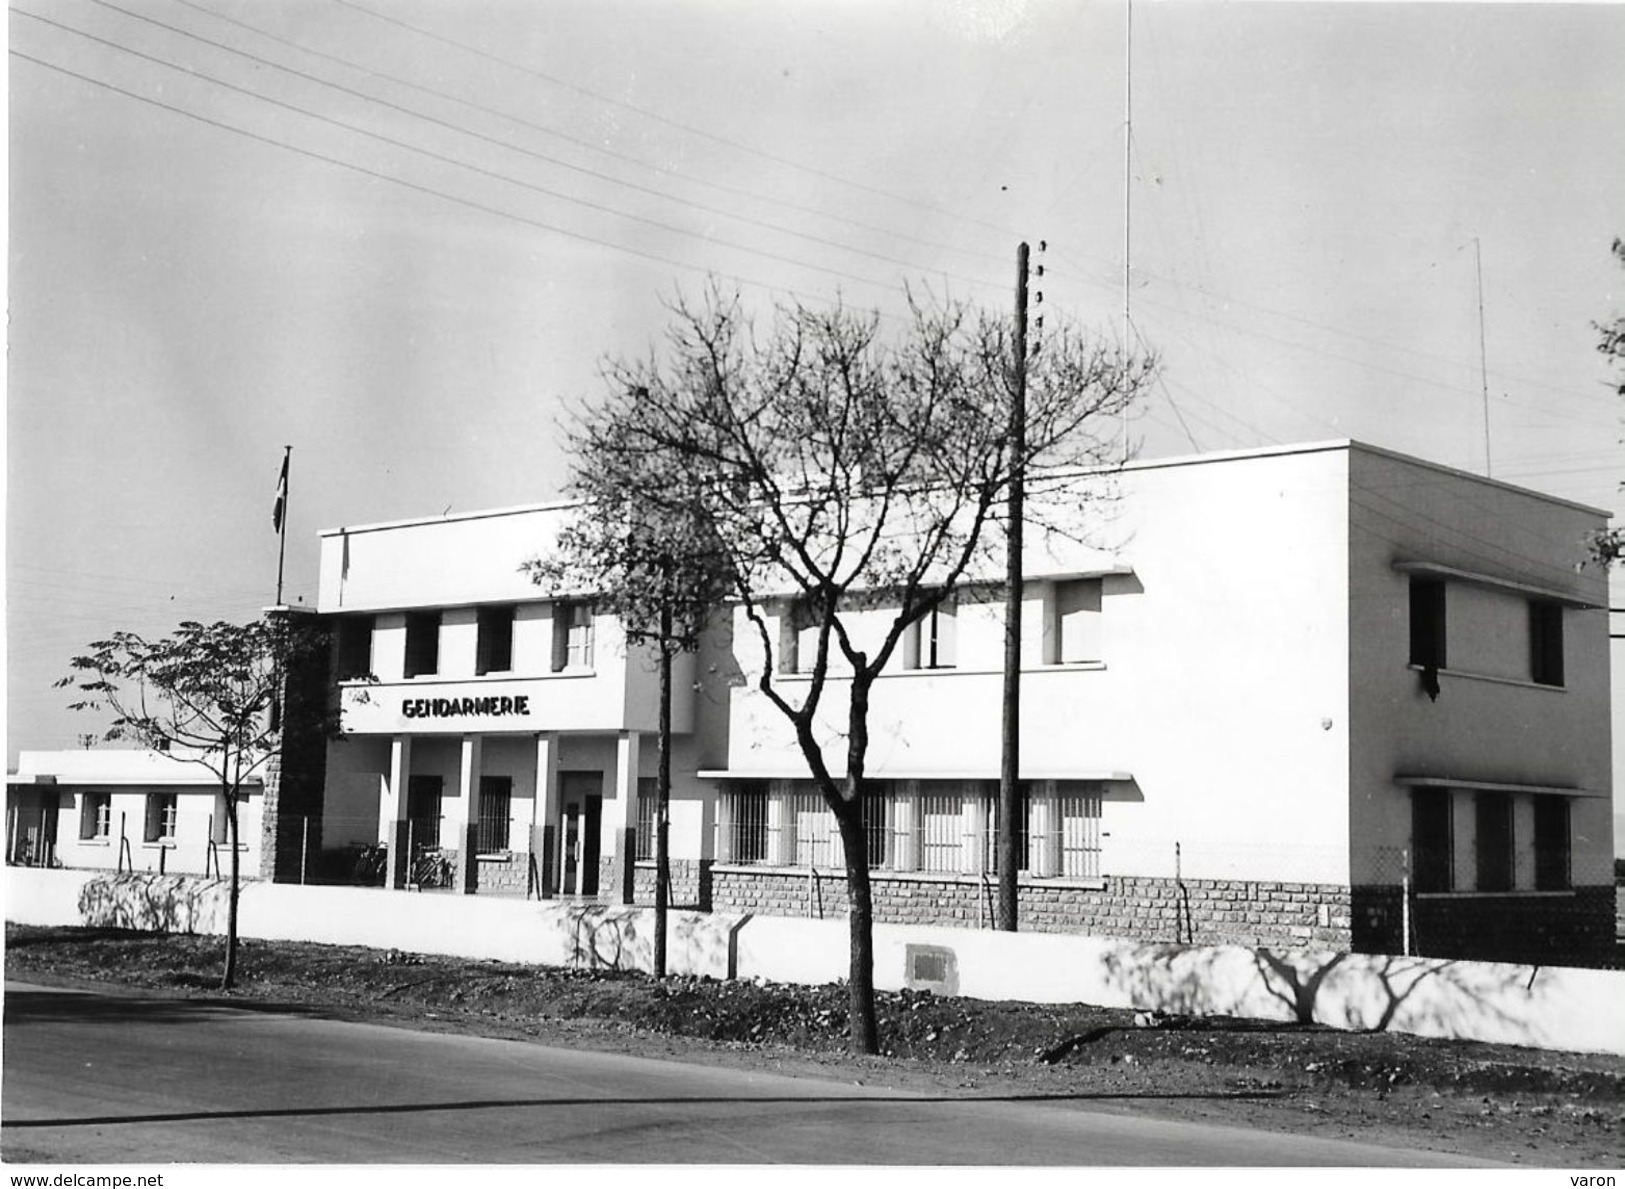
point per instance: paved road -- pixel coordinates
(131, 1079)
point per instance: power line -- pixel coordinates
(667, 120)
(462, 130)
(378, 175)
(706, 183)
(446, 160)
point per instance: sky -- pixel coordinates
(403, 236)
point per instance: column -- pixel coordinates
(464, 823)
(973, 819)
(1464, 838)
(392, 809)
(1043, 831)
(781, 842)
(906, 826)
(544, 836)
(620, 822)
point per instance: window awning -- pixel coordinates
(1101, 774)
(1493, 786)
(1452, 574)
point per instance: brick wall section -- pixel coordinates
(509, 876)
(690, 883)
(291, 818)
(1201, 912)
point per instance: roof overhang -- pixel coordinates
(790, 773)
(1494, 786)
(1535, 590)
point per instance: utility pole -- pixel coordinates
(1010, 756)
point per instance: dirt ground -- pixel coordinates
(1528, 1106)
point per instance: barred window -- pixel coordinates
(1431, 845)
(423, 810)
(745, 810)
(942, 831)
(644, 841)
(496, 808)
(1493, 818)
(814, 838)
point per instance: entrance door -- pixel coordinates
(581, 808)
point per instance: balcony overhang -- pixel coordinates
(1494, 786)
(1472, 577)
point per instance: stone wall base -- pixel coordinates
(690, 883)
(1189, 912)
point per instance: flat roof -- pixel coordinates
(1203, 458)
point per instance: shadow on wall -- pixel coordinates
(599, 937)
(154, 903)
(1359, 992)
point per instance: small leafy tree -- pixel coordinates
(1608, 546)
(846, 472)
(657, 569)
(208, 695)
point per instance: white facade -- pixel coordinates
(126, 810)
(1221, 683)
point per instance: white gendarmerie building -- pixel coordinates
(1293, 696)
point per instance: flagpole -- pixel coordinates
(282, 525)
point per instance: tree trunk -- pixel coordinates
(228, 978)
(663, 803)
(860, 920)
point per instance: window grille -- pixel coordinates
(423, 810)
(747, 825)
(496, 808)
(1078, 817)
(644, 844)
(877, 828)
(942, 831)
(814, 837)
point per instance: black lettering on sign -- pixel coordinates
(491, 707)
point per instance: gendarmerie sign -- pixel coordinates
(491, 707)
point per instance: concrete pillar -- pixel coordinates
(1523, 842)
(723, 842)
(618, 842)
(906, 826)
(1043, 831)
(973, 816)
(392, 812)
(544, 836)
(1464, 839)
(464, 821)
(781, 842)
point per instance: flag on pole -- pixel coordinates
(281, 496)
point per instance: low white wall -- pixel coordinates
(1545, 1007)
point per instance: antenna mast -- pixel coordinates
(1483, 370)
(1128, 176)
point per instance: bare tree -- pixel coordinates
(208, 695)
(657, 568)
(841, 472)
